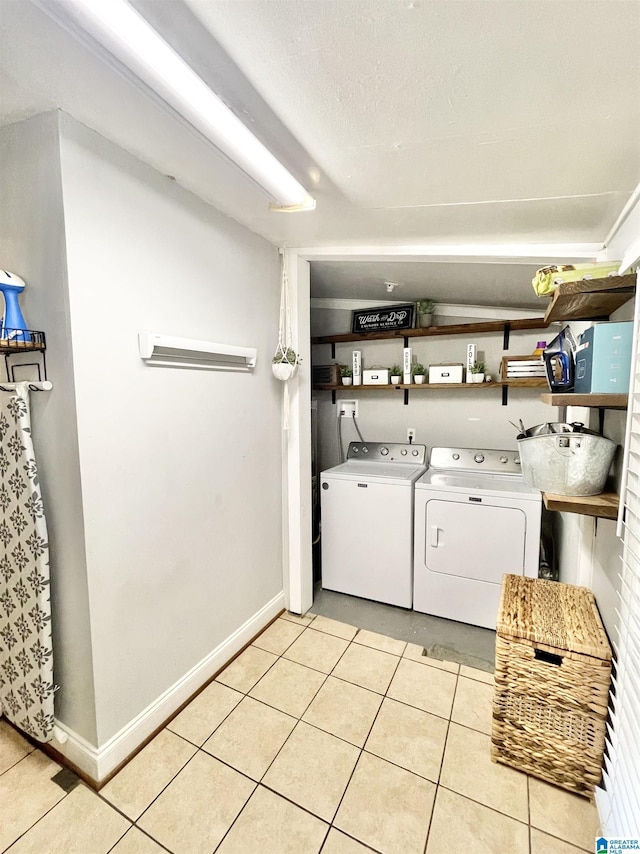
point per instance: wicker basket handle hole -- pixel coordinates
(547, 657)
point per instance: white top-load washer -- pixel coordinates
(367, 521)
(474, 521)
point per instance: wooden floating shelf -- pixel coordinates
(532, 383)
(590, 298)
(605, 505)
(583, 300)
(431, 331)
(601, 401)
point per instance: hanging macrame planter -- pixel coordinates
(285, 364)
(285, 360)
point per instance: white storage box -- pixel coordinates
(376, 376)
(451, 373)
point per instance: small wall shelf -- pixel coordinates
(532, 383)
(604, 506)
(505, 386)
(14, 344)
(583, 300)
(454, 329)
(590, 298)
(598, 401)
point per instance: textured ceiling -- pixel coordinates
(412, 122)
(411, 105)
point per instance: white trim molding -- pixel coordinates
(99, 762)
(631, 257)
(472, 253)
(297, 510)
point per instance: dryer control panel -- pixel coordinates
(388, 452)
(488, 461)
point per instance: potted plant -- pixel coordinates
(396, 374)
(418, 373)
(477, 372)
(285, 363)
(347, 374)
(425, 312)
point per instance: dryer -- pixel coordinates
(367, 521)
(475, 520)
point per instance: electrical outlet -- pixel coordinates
(411, 434)
(348, 409)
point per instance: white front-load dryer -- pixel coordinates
(475, 520)
(367, 521)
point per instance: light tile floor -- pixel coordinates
(318, 737)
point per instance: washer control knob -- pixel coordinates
(384, 451)
(479, 458)
(404, 452)
(415, 453)
(456, 456)
(517, 461)
(365, 450)
(504, 459)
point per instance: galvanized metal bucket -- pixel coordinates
(555, 458)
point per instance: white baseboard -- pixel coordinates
(99, 762)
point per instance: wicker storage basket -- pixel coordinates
(553, 667)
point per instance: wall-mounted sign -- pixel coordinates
(384, 318)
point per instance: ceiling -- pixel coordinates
(410, 121)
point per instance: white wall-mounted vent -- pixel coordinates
(169, 351)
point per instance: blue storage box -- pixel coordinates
(603, 359)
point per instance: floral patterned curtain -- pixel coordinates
(26, 656)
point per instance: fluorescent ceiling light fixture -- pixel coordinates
(170, 351)
(119, 28)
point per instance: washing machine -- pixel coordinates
(367, 521)
(475, 520)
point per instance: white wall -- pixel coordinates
(32, 244)
(181, 469)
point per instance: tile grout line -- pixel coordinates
(303, 629)
(145, 833)
(38, 820)
(444, 750)
(362, 750)
(149, 805)
(240, 811)
(299, 719)
(486, 806)
(18, 761)
(200, 746)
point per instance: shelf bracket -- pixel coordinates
(333, 396)
(506, 333)
(406, 397)
(505, 395)
(333, 351)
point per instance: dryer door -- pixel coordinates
(470, 540)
